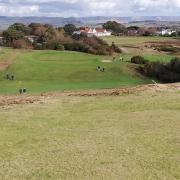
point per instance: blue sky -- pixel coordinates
(80, 8)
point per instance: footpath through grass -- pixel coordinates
(124, 137)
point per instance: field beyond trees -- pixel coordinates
(142, 45)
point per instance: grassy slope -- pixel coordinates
(42, 71)
(126, 137)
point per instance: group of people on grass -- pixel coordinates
(9, 77)
(22, 90)
(12, 77)
(100, 69)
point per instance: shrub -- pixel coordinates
(115, 48)
(19, 44)
(59, 47)
(169, 72)
(138, 60)
(53, 45)
(175, 65)
(38, 46)
(76, 46)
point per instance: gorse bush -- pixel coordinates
(115, 48)
(53, 45)
(164, 72)
(138, 60)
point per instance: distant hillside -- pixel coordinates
(60, 21)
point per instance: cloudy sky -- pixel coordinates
(79, 8)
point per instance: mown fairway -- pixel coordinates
(123, 137)
(43, 71)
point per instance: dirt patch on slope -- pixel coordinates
(11, 100)
(120, 91)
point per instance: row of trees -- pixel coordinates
(45, 36)
(119, 29)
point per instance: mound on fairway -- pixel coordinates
(43, 71)
(134, 136)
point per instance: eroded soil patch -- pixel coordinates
(11, 100)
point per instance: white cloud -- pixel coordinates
(156, 5)
(23, 10)
(89, 7)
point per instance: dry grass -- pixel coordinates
(133, 136)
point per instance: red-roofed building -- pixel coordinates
(93, 32)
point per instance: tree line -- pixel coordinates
(45, 36)
(119, 29)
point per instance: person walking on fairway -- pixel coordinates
(20, 91)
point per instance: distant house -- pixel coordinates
(93, 32)
(165, 32)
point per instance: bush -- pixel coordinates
(169, 72)
(53, 45)
(138, 60)
(76, 46)
(115, 48)
(19, 44)
(38, 46)
(59, 47)
(175, 65)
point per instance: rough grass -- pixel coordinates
(43, 71)
(125, 137)
(124, 40)
(132, 46)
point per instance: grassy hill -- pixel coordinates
(42, 71)
(133, 136)
(129, 133)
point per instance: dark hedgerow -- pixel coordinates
(138, 60)
(164, 72)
